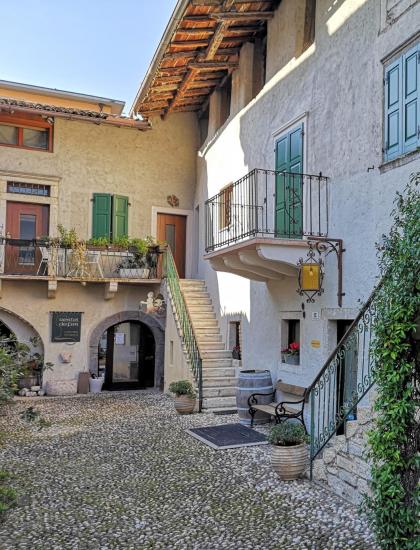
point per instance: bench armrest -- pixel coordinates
(252, 400)
(280, 409)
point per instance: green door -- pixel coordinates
(289, 192)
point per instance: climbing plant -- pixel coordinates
(394, 441)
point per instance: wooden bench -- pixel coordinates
(281, 410)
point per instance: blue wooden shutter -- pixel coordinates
(119, 216)
(101, 220)
(393, 110)
(411, 99)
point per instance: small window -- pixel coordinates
(225, 206)
(293, 332)
(28, 188)
(28, 133)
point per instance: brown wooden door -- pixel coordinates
(25, 221)
(172, 229)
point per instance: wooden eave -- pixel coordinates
(201, 51)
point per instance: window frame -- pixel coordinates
(398, 63)
(225, 207)
(21, 123)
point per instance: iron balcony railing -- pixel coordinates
(268, 203)
(48, 259)
(343, 381)
(189, 340)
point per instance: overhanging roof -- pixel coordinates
(198, 51)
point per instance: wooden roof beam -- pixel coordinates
(213, 65)
(216, 40)
(242, 15)
(188, 78)
(187, 43)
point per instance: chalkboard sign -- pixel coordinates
(66, 326)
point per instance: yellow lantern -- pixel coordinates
(310, 276)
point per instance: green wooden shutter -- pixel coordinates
(101, 220)
(119, 216)
(289, 192)
(411, 99)
(393, 104)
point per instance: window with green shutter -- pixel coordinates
(110, 216)
(402, 104)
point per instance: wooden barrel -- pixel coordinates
(249, 382)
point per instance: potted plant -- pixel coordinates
(289, 454)
(291, 355)
(184, 396)
(134, 265)
(34, 364)
(96, 383)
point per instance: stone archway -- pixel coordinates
(22, 329)
(158, 331)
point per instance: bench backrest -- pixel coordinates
(290, 388)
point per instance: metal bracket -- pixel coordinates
(325, 245)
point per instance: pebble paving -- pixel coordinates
(118, 471)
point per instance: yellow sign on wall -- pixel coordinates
(315, 343)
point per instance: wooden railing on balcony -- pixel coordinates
(48, 259)
(268, 203)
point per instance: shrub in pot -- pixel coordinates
(289, 455)
(184, 396)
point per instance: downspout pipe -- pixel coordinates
(173, 23)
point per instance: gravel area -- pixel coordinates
(117, 470)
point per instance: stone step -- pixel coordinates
(219, 381)
(217, 402)
(206, 330)
(198, 301)
(216, 354)
(218, 372)
(224, 410)
(222, 391)
(206, 323)
(201, 308)
(211, 346)
(195, 291)
(198, 316)
(204, 337)
(191, 282)
(214, 363)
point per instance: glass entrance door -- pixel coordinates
(127, 354)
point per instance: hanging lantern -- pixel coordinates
(310, 276)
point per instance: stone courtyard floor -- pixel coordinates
(117, 470)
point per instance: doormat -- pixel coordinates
(228, 436)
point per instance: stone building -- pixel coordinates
(286, 128)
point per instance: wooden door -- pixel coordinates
(289, 191)
(26, 222)
(172, 229)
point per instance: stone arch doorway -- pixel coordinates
(129, 348)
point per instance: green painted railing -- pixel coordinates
(344, 380)
(185, 325)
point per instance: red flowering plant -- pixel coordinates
(292, 349)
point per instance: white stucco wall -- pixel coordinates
(336, 86)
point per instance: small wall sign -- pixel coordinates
(65, 326)
(119, 338)
(316, 343)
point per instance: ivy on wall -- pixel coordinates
(394, 441)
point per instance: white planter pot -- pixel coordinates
(291, 359)
(95, 385)
(138, 273)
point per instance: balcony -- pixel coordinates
(39, 259)
(258, 227)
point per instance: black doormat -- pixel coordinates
(228, 436)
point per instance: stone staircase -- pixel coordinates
(219, 383)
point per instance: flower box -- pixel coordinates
(291, 359)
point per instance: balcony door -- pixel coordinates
(289, 188)
(25, 222)
(172, 229)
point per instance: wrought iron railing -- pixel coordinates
(344, 380)
(185, 325)
(49, 259)
(268, 203)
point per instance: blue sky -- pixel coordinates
(99, 47)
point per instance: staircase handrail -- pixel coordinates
(327, 418)
(186, 327)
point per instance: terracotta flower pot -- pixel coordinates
(184, 404)
(289, 462)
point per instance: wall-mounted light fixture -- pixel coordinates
(311, 269)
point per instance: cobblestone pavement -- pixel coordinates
(117, 470)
